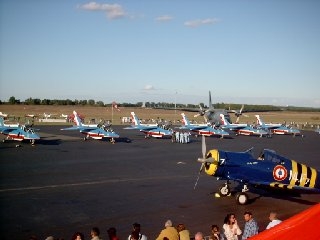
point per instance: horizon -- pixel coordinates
(206, 104)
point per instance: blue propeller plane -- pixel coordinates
(277, 128)
(242, 129)
(150, 130)
(269, 169)
(203, 129)
(94, 131)
(18, 132)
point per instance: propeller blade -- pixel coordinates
(204, 147)
(202, 160)
(237, 121)
(210, 102)
(196, 183)
(241, 108)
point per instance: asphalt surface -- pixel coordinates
(64, 184)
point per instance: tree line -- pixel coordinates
(163, 105)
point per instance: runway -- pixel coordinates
(64, 184)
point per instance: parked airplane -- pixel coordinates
(279, 129)
(212, 114)
(150, 130)
(269, 169)
(242, 129)
(95, 132)
(202, 129)
(18, 133)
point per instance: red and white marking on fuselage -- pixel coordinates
(94, 135)
(154, 134)
(247, 133)
(16, 137)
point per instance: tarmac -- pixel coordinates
(64, 184)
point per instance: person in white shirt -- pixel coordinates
(137, 229)
(231, 228)
(273, 220)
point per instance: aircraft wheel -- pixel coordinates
(224, 190)
(33, 142)
(242, 198)
(84, 139)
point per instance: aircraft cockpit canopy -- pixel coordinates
(270, 155)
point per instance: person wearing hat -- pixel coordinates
(136, 228)
(169, 232)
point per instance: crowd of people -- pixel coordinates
(180, 137)
(229, 231)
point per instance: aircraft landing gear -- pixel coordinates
(242, 198)
(224, 190)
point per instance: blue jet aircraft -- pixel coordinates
(242, 129)
(93, 131)
(18, 132)
(150, 130)
(277, 128)
(269, 169)
(203, 129)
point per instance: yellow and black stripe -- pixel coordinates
(302, 175)
(280, 185)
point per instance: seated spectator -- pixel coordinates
(169, 232)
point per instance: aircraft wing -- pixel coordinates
(100, 131)
(7, 130)
(233, 127)
(193, 127)
(143, 128)
(270, 126)
(281, 186)
(80, 128)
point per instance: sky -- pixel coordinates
(129, 51)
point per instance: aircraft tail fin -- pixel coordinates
(185, 120)
(77, 119)
(135, 119)
(259, 120)
(224, 120)
(210, 102)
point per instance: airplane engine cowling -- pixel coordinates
(211, 167)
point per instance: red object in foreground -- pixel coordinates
(304, 225)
